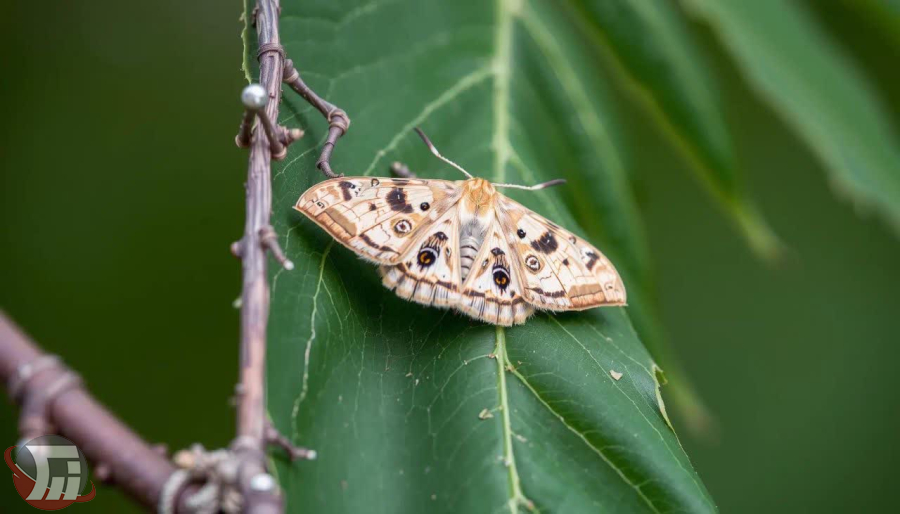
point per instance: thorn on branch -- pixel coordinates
(288, 136)
(269, 241)
(103, 472)
(275, 438)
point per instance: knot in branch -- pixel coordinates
(36, 401)
(217, 469)
(338, 118)
(269, 47)
(25, 371)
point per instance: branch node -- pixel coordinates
(237, 248)
(34, 419)
(255, 99)
(269, 47)
(216, 469)
(338, 118)
(269, 241)
(27, 370)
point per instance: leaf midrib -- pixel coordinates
(501, 65)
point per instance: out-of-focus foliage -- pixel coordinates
(806, 78)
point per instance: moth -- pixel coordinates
(463, 245)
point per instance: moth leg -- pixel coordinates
(401, 170)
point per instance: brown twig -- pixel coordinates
(254, 433)
(250, 445)
(338, 121)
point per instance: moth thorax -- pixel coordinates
(479, 194)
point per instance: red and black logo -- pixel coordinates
(49, 472)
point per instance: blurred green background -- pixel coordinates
(122, 190)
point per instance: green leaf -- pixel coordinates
(807, 79)
(415, 409)
(652, 50)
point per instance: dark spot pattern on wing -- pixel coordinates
(552, 294)
(346, 189)
(396, 198)
(591, 260)
(546, 243)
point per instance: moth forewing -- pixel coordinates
(376, 217)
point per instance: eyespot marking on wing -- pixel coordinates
(403, 227)
(427, 257)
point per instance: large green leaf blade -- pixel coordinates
(656, 55)
(804, 75)
(415, 409)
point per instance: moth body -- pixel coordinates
(463, 245)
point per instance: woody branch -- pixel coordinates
(254, 434)
(53, 400)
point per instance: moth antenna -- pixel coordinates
(536, 187)
(435, 151)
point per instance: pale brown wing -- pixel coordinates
(377, 217)
(429, 272)
(560, 270)
(493, 291)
